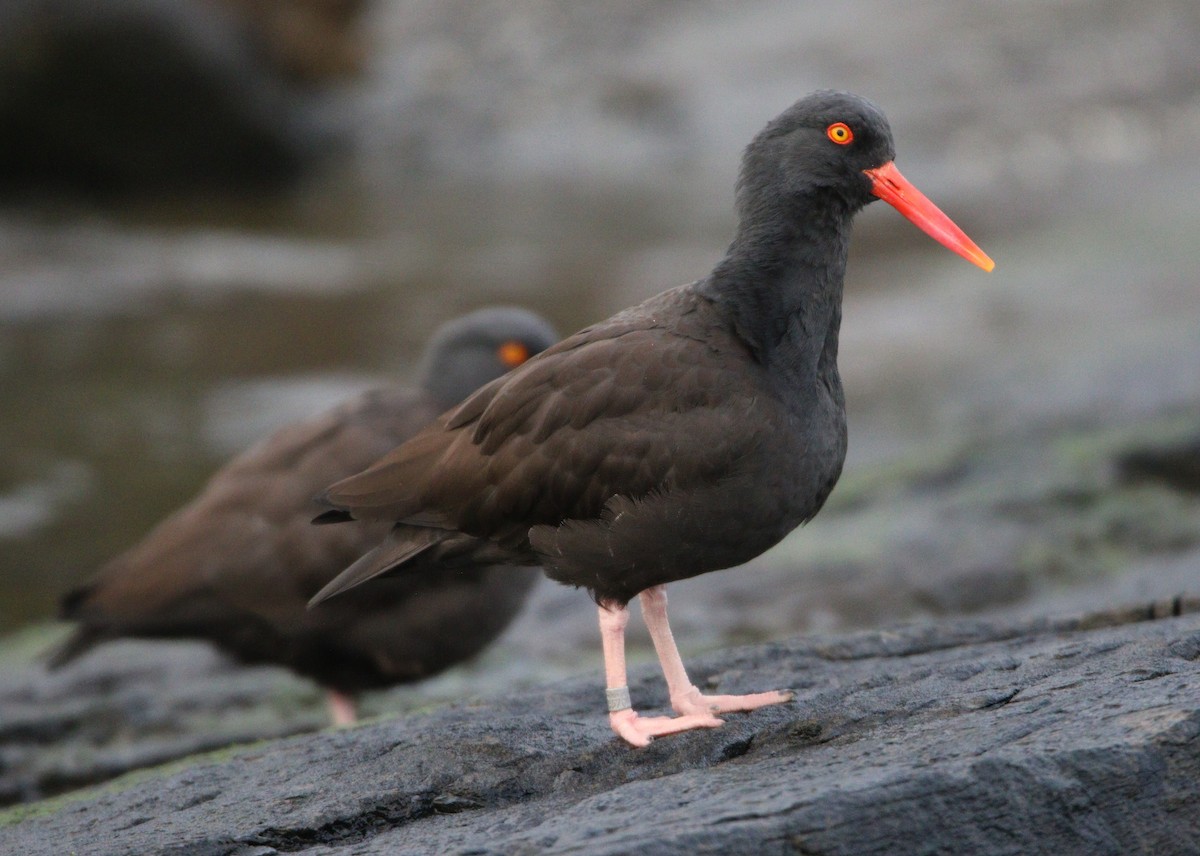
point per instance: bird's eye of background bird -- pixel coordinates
(512, 353)
(840, 133)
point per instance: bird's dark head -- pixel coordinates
(834, 151)
(469, 351)
(821, 145)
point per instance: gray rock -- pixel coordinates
(1071, 736)
(135, 706)
(142, 95)
(635, 90)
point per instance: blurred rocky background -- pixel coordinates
(217, 216)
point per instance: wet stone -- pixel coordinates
(1024, 735)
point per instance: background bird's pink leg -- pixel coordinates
(686, 699)
(635, 730)
(342, 709)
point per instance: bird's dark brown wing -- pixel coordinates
(244, 546)
(621, 409)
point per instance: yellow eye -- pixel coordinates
(513, 353)
(840, 133)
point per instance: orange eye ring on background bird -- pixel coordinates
(513, 353)
(840, 133)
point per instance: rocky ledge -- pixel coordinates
(1077, 735)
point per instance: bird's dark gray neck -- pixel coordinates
(780, 284)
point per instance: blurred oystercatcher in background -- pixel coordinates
(237, 564)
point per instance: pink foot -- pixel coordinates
(342, 710)
(693, 703)
(640, 730)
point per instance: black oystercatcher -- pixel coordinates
(237, 564)
(684, 435)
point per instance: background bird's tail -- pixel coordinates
(79, 642)
(82, 639)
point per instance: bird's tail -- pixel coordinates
(403, 543)
(79, 642)
(71, 608)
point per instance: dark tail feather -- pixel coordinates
(71, 603)
(333, 515)
(402, 544)
(70, 606)
(79, 642)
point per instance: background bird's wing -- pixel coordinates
(243, 549)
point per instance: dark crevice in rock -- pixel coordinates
(1176, 465)
(1187, 647)
(347, 830)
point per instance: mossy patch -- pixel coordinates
(30, 644)
(52, 805)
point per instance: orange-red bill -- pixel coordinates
(889, 185)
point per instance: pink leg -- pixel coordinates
(636, 730)
(342, 710)
(685, 698)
